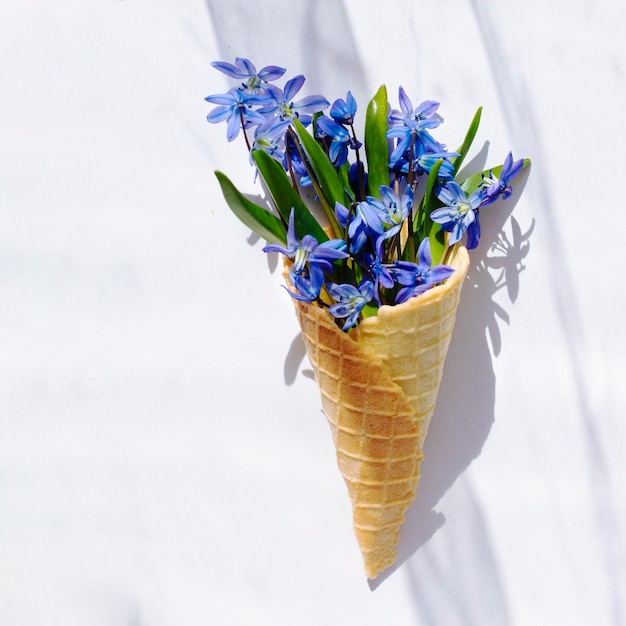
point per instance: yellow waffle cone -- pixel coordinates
(379, 385)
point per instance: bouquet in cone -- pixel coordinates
(375, 237)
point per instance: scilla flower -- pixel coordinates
(494, 187)
(235, 108)
(376, 269)
(411, 125)
(245, 70)
(350, 301)
(460, 213)
(360, 226)
(418, 277)
(390, 210)
(310, 259)
(341, 140)
(343, 111)
(268, 138)
(282, 103)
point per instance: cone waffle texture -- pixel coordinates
(379, 386)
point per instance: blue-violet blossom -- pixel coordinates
(268, 138)
(283, 105)
(460, 213)
(350, 301)
(376, 269)
(234, 106)
(410, 126)
(418, 277)
(390, 210)
(361, 225)
(310, 259)
(343, 111)
(341, 140)
(246, 70)
(494, 187)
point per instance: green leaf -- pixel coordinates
(469, 138)
(255, 217)
(376, 146)
(470, 185)
(330, 184)
(285, 197)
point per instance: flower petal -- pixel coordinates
(293, 86)
(423, 254)
(219, 114)
(229, 69)
(405, 103)
(271, 72)
(311, 104)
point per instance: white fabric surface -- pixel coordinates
(163, 456)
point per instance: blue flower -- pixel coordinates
(246, 70)
(460, 213)
(362, 225)
(308, 250)
(390, 210)
(310, 260)
(425, 163)
(410, 125)
(376, 270)
(341, 140)
(343, 111)
(282, 103)
(418, 277)
(308, 283)
(350, 301)
(494, 187)
(357, 228)
(425, 160)
(268, 138)
(233, 106)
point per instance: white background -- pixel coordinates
(163, 456)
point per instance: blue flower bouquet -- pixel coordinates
(375, 236)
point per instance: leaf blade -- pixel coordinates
(376, 146)
(467, 142)
(285, 197)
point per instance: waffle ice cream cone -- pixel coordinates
(379, 386)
